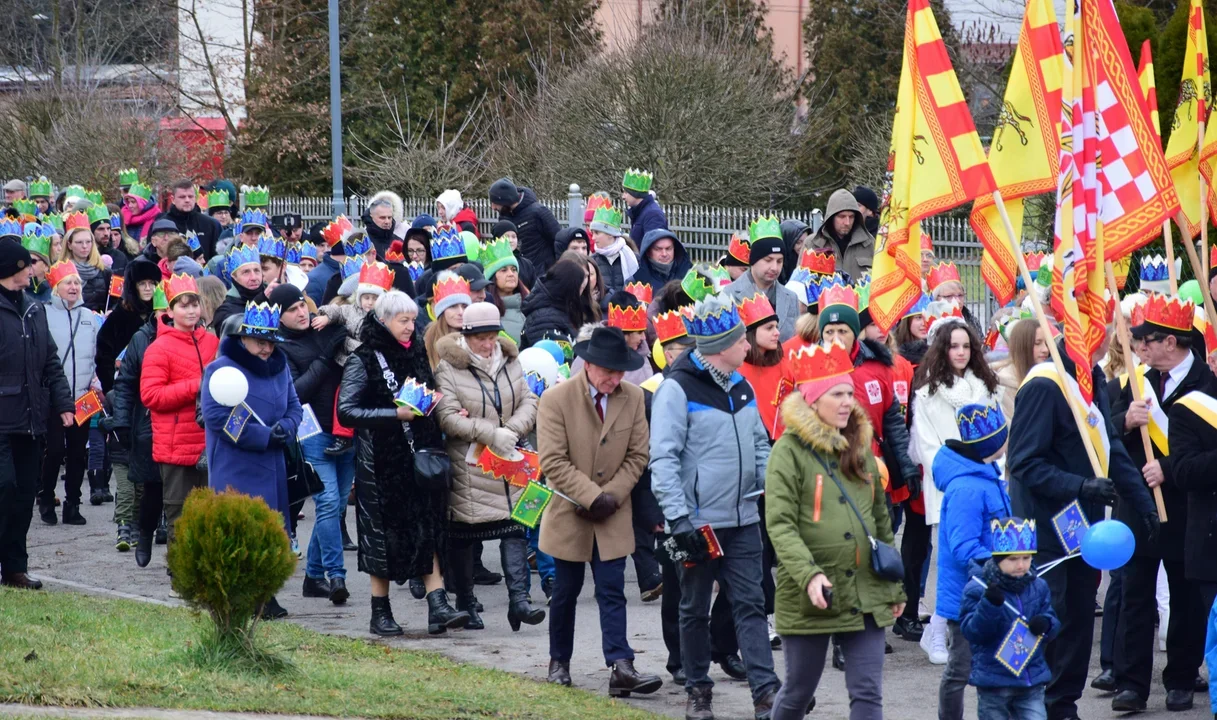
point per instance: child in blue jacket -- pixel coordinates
(1004, 590)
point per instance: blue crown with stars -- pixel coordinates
(418, 397)
(713, 317)
(357, 245)
(39, 230)
(416, 270)
(116, 222)
(10, 228)
(982, 428)
(250, 219)
(447, 244)
(818, 283)
(536, 383)
(918, 307)
(261, 321)
(292, 254)
(308, 250)
(270, 246)
(1013, 536)
(352, 266)
(192, 241)
(1154, 269)
(239, 256)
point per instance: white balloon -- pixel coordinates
(538, 360)
(229, 387)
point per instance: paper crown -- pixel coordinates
(941, 273)
(837, 294)
(642, 291)
(256, 196)
(357, 244)
(178, 285)
(607, 219)
(418, 397)
(811, 363)
(756, 310)
(140, 190)
(218, 199)
(239, 256)
(377, 274)
(637, 180)
(95, 197)
(536, 383)
(495, 252)
(712, 317)
(1212, 257)
(73, 192)
(1168, 313)
(36, 238)
(1210, 336)
(764, 227)
(192, 241)
(250, 219)
(10, 227)
(452, 285)
(982, 427)
(98, 213)
(308, 251)
(351, 266)
(291, 253)
(927, 242)
(739, 249)
(1035, 260)
(1013, 536)
(703, 280)
(159, 301)
(337, 230)
(863, 287)
(116, 222)
(632, 318)
(55, 220)
(27, 208)
(128, 177)
(1154, 269)
(946, 311)
(1006, 322)
(670, 326)
(597, 200)
(61, 271)
(394, 253)
(271, 246)
(261, 321)
(416, 270)
(917, 308)
(819, 262)
(447, 244)
(41, 188)
(814, 285)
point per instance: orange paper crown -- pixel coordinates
(941, 273)
(755, 310)
(1212, 257)
(75, 220)
(180, 284)
(455, 285)
(61, 271)
(642, 291)
(1035, 260)
(815, 362)
(1171, 313)
(740, 250)
(1210, 337)
(670, 325)
(927, 243)
(819, 262)
(839, 295)
(378, 274)
(337, 230)
(628, 319)
(394, 254)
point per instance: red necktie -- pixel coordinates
(599, 407)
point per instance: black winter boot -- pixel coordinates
(71, 514)
(143, 549)
(441, 616)
(460, 577)
(383, 623)
(468, 602)
(514, 552)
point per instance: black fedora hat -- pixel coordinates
(607, 349)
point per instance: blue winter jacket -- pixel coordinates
(645, 217)
(709, 448)
(973, 494)
(648, 274)
(986, 625)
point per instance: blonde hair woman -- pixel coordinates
(80, 249)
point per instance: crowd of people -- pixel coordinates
(741, 430)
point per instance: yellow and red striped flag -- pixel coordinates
(1025, 152)
(1182, 150)
(1145, 74)
(936, 163)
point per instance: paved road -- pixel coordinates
(85, 557)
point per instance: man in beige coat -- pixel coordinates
(593, 439)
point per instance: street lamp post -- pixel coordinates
(339, 201)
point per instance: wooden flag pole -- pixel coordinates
(1209, 311)
(1126, 344)
(1170, 256)
(1203, 278)
(1046, 329)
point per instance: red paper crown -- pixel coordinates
(1212, 257)
(839, 295)
(61, 271)
(740, 250)
(670, 325)
(815, 362)
(755, 309)
(378, 274)
(74, 221)
(455, 285)
(394, 254)
(927, 243)
(1210, 337)
(338, 230)
(941, 273)
(1035, 260)
(642, 291)
(180, 284)
(821, 262)
(629, 319)
(953, 311)
(1165, 311)
(595, 201)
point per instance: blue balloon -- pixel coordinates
(552, 348)
(1107, 545)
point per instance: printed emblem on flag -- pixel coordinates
(1070, 525)
(116, 286)
(309, 427)
(87, 406)
(237, 419)
(1016, 650)
(531, 504)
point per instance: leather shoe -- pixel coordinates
(48, 515)
(1202, 685)
(22, 581)
(559, 673)
(338, 591)
(679, 677)
(316, 587)
(1106, 682)
(625, 680)
(1127, 701)
(734, 667)
(1177, 700)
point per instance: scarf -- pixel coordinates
(965, 390)
(629, 263)
(720, 378)
(87, 272)
(662, 268)
(489, 365)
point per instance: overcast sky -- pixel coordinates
(1006, 14)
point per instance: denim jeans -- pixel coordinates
(955, 676)
(545, 563)
(1007, 703)
(337, 473)
(738, 573)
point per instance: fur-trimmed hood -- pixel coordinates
(449, 348)
(394, 200)
(801, 420)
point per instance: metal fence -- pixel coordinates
(705, 231)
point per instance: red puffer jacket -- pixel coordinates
(169, 384)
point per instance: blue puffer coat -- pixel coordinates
(645, 217)
(985, 626)
(973, 496)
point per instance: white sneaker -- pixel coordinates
(935, 645)
(775, 640)
(1163, 623)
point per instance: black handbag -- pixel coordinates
(303, 481)
(885, 560)
(432, 467)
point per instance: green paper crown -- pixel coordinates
(140, 190)
(41, 188)
(607, 219)
(764, 227)
(128, 177)
(25, 207)
(496, 253)
(637, 180)
(74, 191)
(704, 280)
(863, 290)
(55, 220)
(95, 197)
(217, 198)
(40, 244)
(256, 196)
(159, 301)
(97, 213)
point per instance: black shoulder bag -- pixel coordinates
(432, 467)
(885, 560)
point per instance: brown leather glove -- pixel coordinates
(602, 508)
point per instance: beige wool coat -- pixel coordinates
(475, 497)
(581, 458)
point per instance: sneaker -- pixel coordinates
(339, 446)
(123, 543)
(775, 640)
(934, 644)
(296, 546)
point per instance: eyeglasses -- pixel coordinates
(417, 253)
(957, 299)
